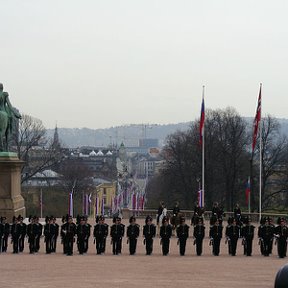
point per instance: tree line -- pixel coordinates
(229, 162)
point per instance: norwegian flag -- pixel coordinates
(257, 120)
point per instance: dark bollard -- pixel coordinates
(281, 280)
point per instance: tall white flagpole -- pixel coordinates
(260, 159)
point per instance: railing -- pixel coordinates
(207, 214)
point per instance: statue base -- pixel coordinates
(11, 201)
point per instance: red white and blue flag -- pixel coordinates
(247, 191)
(200, 198)
(257, 120)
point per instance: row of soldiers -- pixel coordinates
(70, 232)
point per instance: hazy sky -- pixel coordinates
(101, 63)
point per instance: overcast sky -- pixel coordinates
(101, 63)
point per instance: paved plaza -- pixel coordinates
(91, 270)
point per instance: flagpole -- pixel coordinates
(260, 160)
(249, 195)
(203, 154)
(41, 203)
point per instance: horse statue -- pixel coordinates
(7, 113)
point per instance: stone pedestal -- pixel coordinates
(11, 201)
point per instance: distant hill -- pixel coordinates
(128, 134)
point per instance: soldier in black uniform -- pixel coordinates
(149, 232)
(68, 232)
(23, 228)
(247, 233)
(49, 232)
(55, 234)
(165, 235)
(215, 235)
(199, 234)
(38, 228)
(100, 234)
(182, 232)
(1, 234)
(232, 234)
(117, 232)
(272, 226)
(281, 234)
(15, 235)
(83, 233)
(5, 234)
(265, 234)
(31, 236)
(64, 221)
(133, 231)
(86, 241)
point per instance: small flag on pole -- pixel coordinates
(200, 198)
(247, 191)
(102, 207)
(96, 206)
(257, 119)
(70, 204)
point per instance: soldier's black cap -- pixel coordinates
(165, 219)
(20, 218)
(132, 218)
(148, 218)
(47, 219)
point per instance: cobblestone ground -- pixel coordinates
(90, 270)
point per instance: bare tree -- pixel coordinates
(33, 147)
(226, 161)
(274, 162)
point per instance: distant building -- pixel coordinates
(105, 194)
(148, 142)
